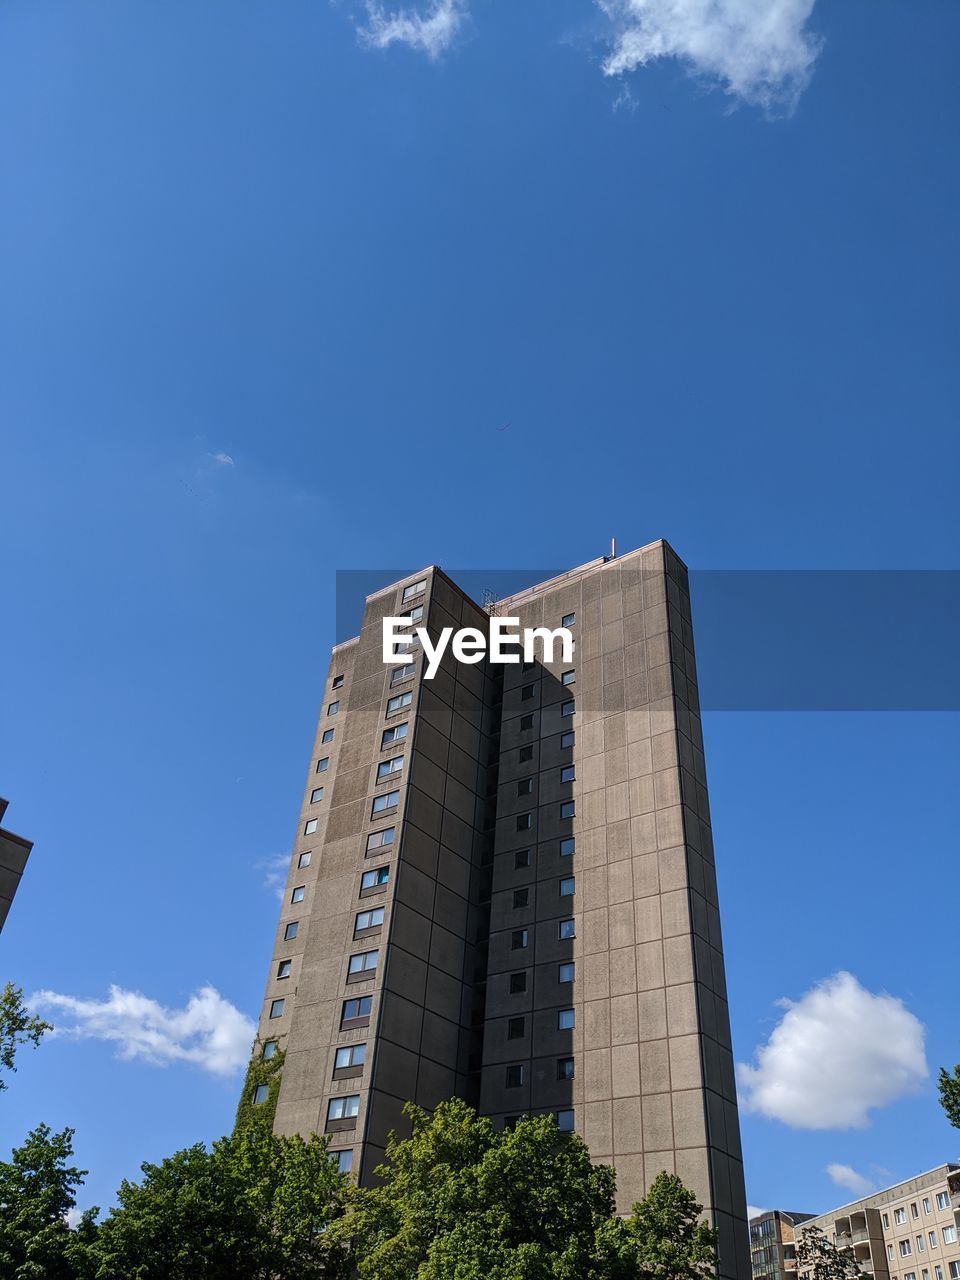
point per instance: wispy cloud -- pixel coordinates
(208, 1032)
(221, 459)
(275, 869)
(758, 51)
(849, 1179)
(835, 1055)
(430, 29)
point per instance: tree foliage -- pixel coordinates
(37, 1191)
(818, 1258)
(17, 1027)
(949, 1086)
(459, 1200)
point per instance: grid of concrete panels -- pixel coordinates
(653, 1080)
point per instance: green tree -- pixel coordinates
(254, 1205)
(818, 1258)
(460, 1200)
(37, 1190)
(949, 1086)
(17, 1027)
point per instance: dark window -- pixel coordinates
(353, 1009)
(514, 1076)
(344, 1160)
(316, 795)
(568, 845)
(381, 839)
(525, 787)
(568, 677)
(270, 1049)
(567, 739)
(526, 753)
(323, 765)
(518, 983)
(521, 897)
(566, 972)
(291, 930)
(337, 682)
(526, 722)
(389, 800)
(564, 1068)
(261, 1093)
(524, 821)
(304, 859)
(298, 892)
(568, 773)
(327, 735)
(521, 858)
(515, 1028)
(276, 1008)
(567, 928)
(527, 692)
(284, 968)
(565, 1121)
(567, 887)
(567, 809)
(568, 708)
(519, 939)
(333, 708)
(566, 1019)
(568, 620)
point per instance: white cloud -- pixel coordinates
(209, 1032)
(275, 870)
(846, 1177)
(758, 50)
(836, 1053)
(753, 1211)
(431, 31)
(222, 459)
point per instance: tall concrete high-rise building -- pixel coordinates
(503, 889)
(14, 852)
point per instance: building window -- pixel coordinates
(323, 765)
(564, 1068)
(524, 821)
(412, 615)
(943, 1200)
(926, 1205)
(276, 1008)
(567, 739)
(399, 674)
(526, 722)
(914, 1211)
(567, 971)
(269, 1050)
(919, 1241)
(316, 795)
(514, 1076)
(527, 691)
(337, 682)
(398, 702)
(526, 753)
(351, 1055)
(291, 931)
(566, 1019)
(389, 800)
(344, 1160)
(284, 968)
(518, 983)
(519, 939)
(515, 1028)
(304, 859)
(310, 826)
(386, 767)
(381, 839)
(299, 891)
(394, 734)
(932, 1237)
(521, 898)
(521, 859)
(525, 787)
(906, 1248)
(368, 919)
(374, 879)
(899, 1216)
(955, 1271)
(890, 1252)
(568, 677)
(568, 773)
(356, 1011)
(568, 808)
(949, 1235)
(344, 1108)
(414, 589)
(327, 735)
(938, 1272)
(363, 962)
(567, 886)
(260, 1094)
(568, 708)
(333, 708)
(886, 1219)
(565, 1121)
(567, 928)
(568, 845)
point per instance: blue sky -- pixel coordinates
(268, 290)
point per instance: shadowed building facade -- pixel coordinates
(14, 852)
(503, 889)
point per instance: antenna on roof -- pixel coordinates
(490, 601)
(613, 548)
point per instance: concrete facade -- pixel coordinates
(906, 1232)
(547, 931)
(14, 851)
(773, 1250)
